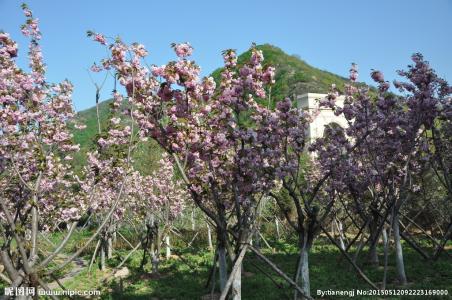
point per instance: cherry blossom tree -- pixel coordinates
(109, 164)
(393, 152)
(219, 154)
(430, 107)
(141, 197)
(301, 181)
(156, 201)
(38, 186)
(377, 152)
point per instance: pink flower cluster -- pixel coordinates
(183, 50)
(157, 193)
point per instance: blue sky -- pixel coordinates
(327, 34)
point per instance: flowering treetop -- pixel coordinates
(36, 144)
(205, 127)
(390, 129)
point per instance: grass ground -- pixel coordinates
(186, 279)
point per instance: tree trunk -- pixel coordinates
(386, 251)
(257, 240)
(222, 266)
(168, 247)
(373, 251)
(34, 229)
(302, 273)
(341, 234)
(332, 228)
(305, 271)
(158, 241)
(384, 235)
(193, 220)
(245, 237)
(114, 235)
(109, 247)
(209, 237)
(222, 244)
(155, 258)
(399, 252)
(155, 263)
(277, 228)
(102, 254)
(237, 284)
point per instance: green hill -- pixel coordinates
(293, 77)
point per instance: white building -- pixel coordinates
(310, 101)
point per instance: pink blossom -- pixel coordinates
(158, 71)
(115, 121)
(95, 68)
(183, 50)
(100, 38)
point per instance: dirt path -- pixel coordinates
(79, 265)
